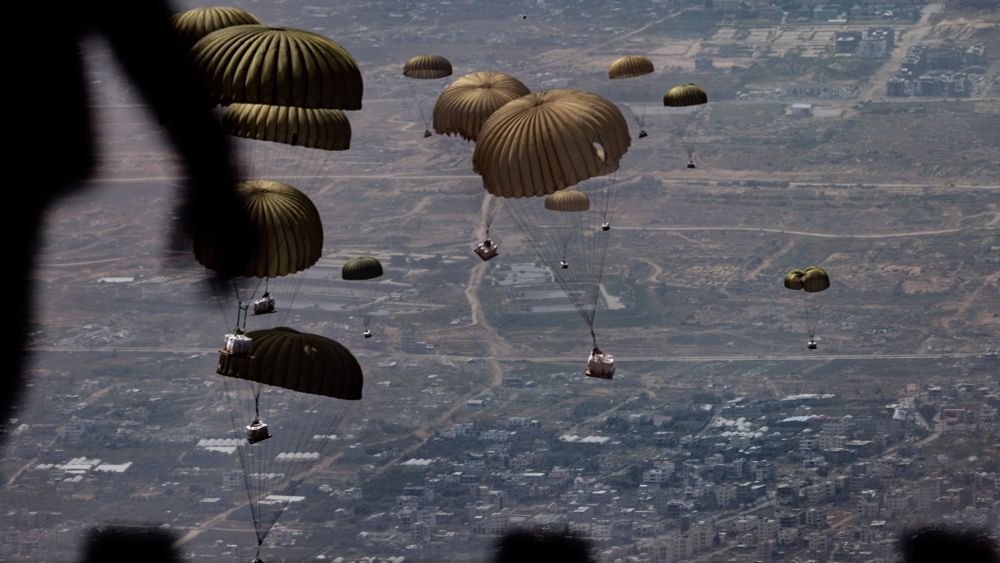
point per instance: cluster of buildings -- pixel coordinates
(946, 69)
(762, 480)
(824, 12)
(874, 43)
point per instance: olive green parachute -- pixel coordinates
(289, 234)
(194, 24)
(427, 67)
(546, 141)
(278, 66)
(630, 67)
(793, 279)
(326, 129)
(308, 363)
(570, 201)
(812, 279)
(302, 425)
(466, 103)
(815, 279)
(361, 268)
(685, 95)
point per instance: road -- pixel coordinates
(574, 358)
(497, 347)
(808, 233)
(662, 176)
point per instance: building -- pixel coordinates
(800, 110)
(846, 42)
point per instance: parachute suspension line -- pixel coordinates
(232, 393)
(688, 135)
(242, 307)
(579, 281)
(608, 206)
(489, 209)
(642, 108)
(810, 320)
(424, 120)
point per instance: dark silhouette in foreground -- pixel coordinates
(128, 544)
(52, 136)
(535, 546)
(938, 545)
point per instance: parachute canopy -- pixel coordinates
(812, 279)
(685, 95)
(547, 141)
(278, 66)
(630, 67)
(362, 268)
(289, 234)
(567, 201)
(326, 129)
(815, 279)
(793, 279)
(194, 24)
(467, 102)
(308, 363)
(427, 67)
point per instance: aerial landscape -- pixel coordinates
(744, 422)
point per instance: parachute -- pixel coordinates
(304, 386)
(194, 24)
(324, 129)
(567, 201)
(690, 97)
(285, 90)
(290, 143)
(550, 140)
(634, 66)
(466, 103)
(364, 268)
(425, 67)
(813, 280)
(287, 226)
(242, 65)
(288, 238)
(547, 141)
(461, 110)
(533, 149)
(630, 67)
(793, 279)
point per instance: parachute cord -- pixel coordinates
(256, 403)
(260, 543)
(420, 109)
(810, 326)
(593, 337)
(239, 305)
(490, 209)
(642, 111)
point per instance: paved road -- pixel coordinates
(622, 178)
(810, 234)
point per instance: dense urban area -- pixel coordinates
(860, 135)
